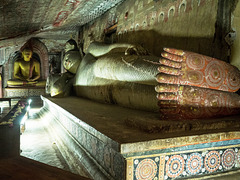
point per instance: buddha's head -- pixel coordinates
(71, 61)
(27, 54)
(71, 45)
(72, 56)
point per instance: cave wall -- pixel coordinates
(184, 24)
(200, 26)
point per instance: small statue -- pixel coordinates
(26, 71)
(189, 85)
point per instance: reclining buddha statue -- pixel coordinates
(179, 85)
(26, 71)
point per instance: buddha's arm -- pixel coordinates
(36, 71)
(17, 71)
(99, 49)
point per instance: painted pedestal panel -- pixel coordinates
(24, 92)
(187, 161)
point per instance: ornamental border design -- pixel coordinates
(184, 164)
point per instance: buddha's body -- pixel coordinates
(182, 89)
(120, 79)
(26, 71)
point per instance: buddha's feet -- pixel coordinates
(19, 83)
(186, 102)
(187, 68)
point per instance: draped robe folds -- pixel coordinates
(126, 80)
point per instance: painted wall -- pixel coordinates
(235, 53)
(183, 24)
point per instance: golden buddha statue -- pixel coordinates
(26, 71)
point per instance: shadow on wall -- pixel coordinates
(155, 42)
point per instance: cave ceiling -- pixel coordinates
(22, 19)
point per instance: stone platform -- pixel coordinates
(118, 143)
(24, 91)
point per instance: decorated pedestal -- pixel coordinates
(191, 156)
(24, 91)
(118, 143)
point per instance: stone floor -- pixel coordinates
(36, 143)
(21, 168)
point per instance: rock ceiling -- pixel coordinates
(22, 19)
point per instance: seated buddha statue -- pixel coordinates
(26, 71)
(178, 85)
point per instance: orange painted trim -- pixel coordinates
(167, 147)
